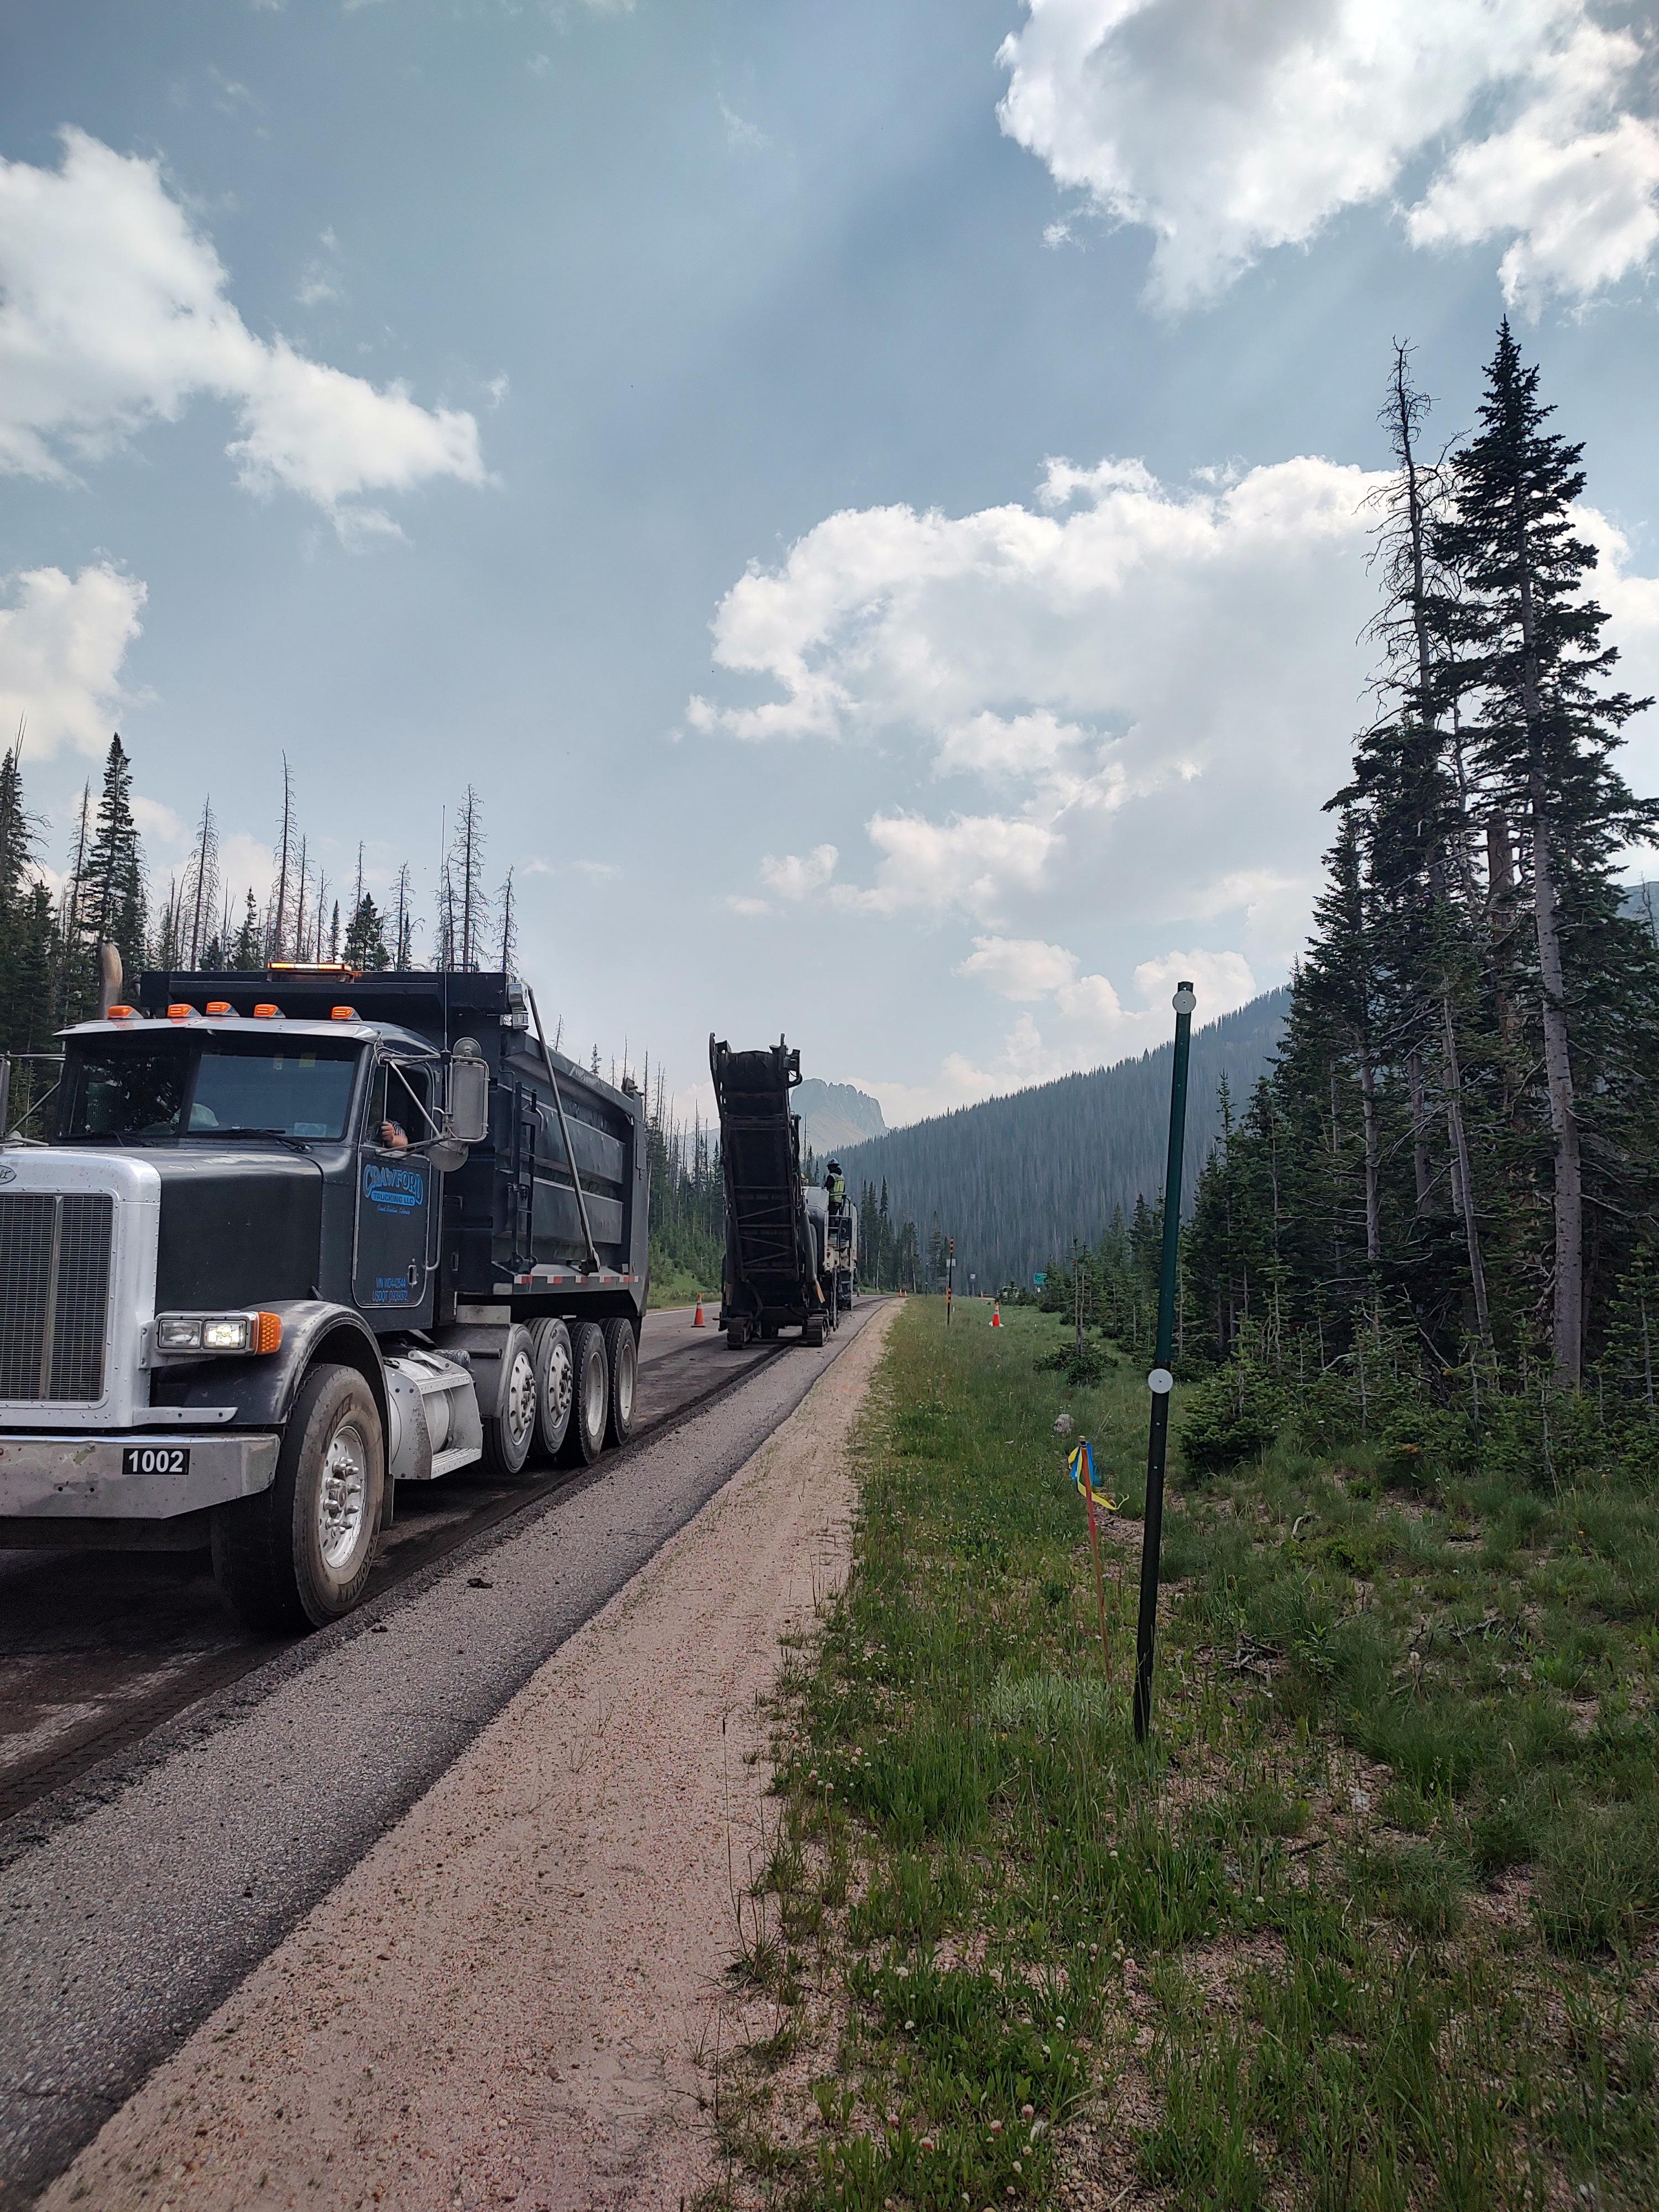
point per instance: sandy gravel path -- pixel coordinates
(516, 1996)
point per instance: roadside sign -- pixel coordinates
(1039, 1279)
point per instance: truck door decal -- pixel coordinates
(393, 1192)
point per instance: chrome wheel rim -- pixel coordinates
(342, 1496)
(519, 1411)
(593, 1390)
(561, 1385)
(625, 1381)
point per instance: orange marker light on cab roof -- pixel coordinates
(342, 1013)
(121, 1013)
(219, 1006)
(267, 1014)
(180, 1014)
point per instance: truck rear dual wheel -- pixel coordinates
(298, 1556)
(510, 1431)
(590, 1409)
(556, 1385)
(621, 1363)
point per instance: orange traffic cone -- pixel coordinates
(697, 1321)
(996, 1314)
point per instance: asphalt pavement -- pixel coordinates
(97, 1648)
(133, 1901)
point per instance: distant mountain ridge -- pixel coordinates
(836, 1115)
(1015, 1179)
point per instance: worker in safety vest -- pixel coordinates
(835, 1183)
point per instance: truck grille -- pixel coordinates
(54, 1290)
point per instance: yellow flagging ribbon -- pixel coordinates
(1080, 1466)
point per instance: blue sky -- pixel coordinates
(869, 496)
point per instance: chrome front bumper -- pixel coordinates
(80, 1478)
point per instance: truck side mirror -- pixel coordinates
(467, 1117)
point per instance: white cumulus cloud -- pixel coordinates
(1227, 131)
(793, 878)
(63, 639)
(1019, 966)
(1156, 689)
(115, 314)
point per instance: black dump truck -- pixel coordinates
(786, 1262)
(297, 1238)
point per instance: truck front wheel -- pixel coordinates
(298, 1556)
(590, 1404)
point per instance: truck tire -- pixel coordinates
(298, 1556)
(590, 1405)
(621, 1365)
(813, 1334)
(510, 1430)
(556, 1379)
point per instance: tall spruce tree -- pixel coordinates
(365, 938)
(1542, 741)
(112, 890)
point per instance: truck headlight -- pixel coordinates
(254, 1331)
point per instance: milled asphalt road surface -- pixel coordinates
(99, 1648)
(132, 1905)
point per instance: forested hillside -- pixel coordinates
(1016, 1179)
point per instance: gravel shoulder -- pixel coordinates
(518, 1995)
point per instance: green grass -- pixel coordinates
(674, 1285)
(1372, 1924)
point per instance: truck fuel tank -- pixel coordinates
(434, 1426)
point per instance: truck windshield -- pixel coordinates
(141, 1089)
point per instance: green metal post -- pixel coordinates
(1160, 1380)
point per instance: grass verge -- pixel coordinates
(1371, 1926)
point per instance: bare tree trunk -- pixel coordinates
(1422, 1167)
(1567, 1329)
(1500, 906)
(1462, 1181)
(1368, 1112)
(277, 948)
(1463, 1185)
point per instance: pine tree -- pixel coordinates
(1543, 740)
(113, 901)
(247, 953)
(365, 938)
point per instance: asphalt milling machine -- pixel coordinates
(791, 1252)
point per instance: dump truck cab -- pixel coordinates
(263, 1136)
